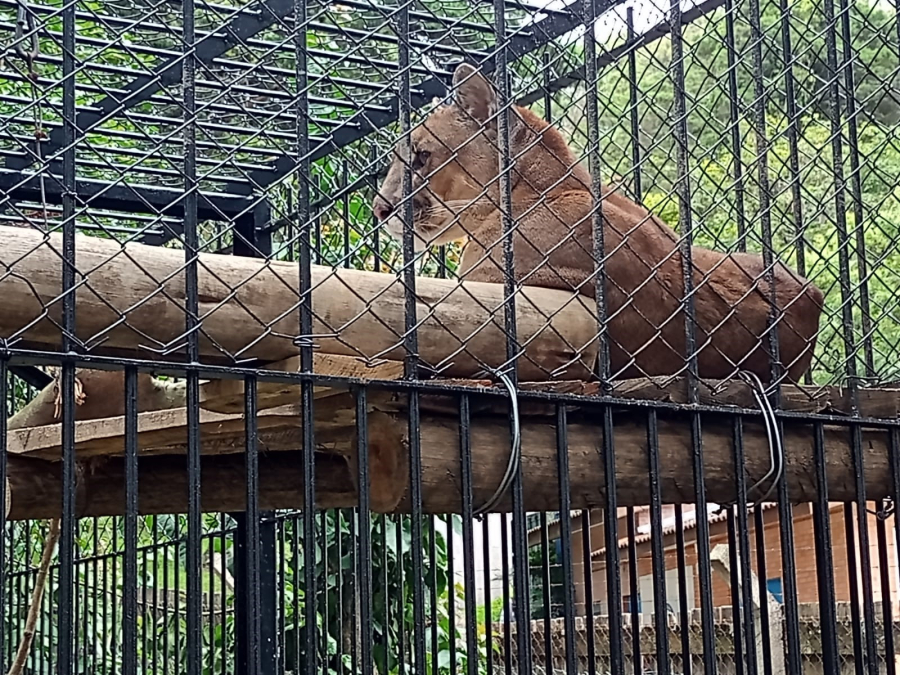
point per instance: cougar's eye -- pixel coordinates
(420, 159)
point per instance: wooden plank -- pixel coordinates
(165, 432)
(227, 396)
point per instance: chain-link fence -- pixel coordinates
(398, 260)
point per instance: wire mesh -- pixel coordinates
(315, 178)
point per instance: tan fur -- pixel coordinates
(456, 196)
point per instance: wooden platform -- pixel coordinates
(34, 451)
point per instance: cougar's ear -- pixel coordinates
(473, 93)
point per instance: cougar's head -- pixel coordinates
(453, 156)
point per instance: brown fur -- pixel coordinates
(456, 194)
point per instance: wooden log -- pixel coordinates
(442, 475)
(248, 309)
(490, 442)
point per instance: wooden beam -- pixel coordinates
(248, 309)
(164, 432)
(490, 442)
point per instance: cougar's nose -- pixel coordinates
(382, 209)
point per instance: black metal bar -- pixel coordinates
(840, 207)
(468, 528)
(129, 590)
(684, 615)
(853, 571)
(364, 560)
(251, 627)
(759, 531)
(66, 619)
(633, 116)
(634, 585)
(7, 396)
(743, 529)
(587, 550)
(123, 197)
(194, 643)
(658, 562)
(887, 612)
(565, 534)
(856, 192)
(793, 142)
(765, 194)
(170, 72)
(865, 555)
(824, 561)
(734, 577)
(734, 121)
(306, 328)
(255, 539)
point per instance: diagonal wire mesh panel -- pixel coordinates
(734, 144)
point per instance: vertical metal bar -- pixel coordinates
(734, 101)
(411, 341)
(887, 613)
(7, 395)
(468, 528)
(735, 579)
(793, 143)
(859, 656)
(894, 457)
(325, 600)
(488, 620)
(743, 528)
(683, 614)
(306, 328)
(546, 593)
(364, 559)
(856, 193)
(588, 588)
(66, 618)
(374, 227)
(840, 207)
(824, 562)
(401, 610)
(251, 578)
(505, 164)
(760, 101)
(759, 530)
(565, 533)
(683, 189)
(633, 116)
(433, 600)
(345, 211)
(634, 585)
(192, 324)
(865, 555)
(507, 612)
(658, 561)
(545, 85)
(129, 661)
